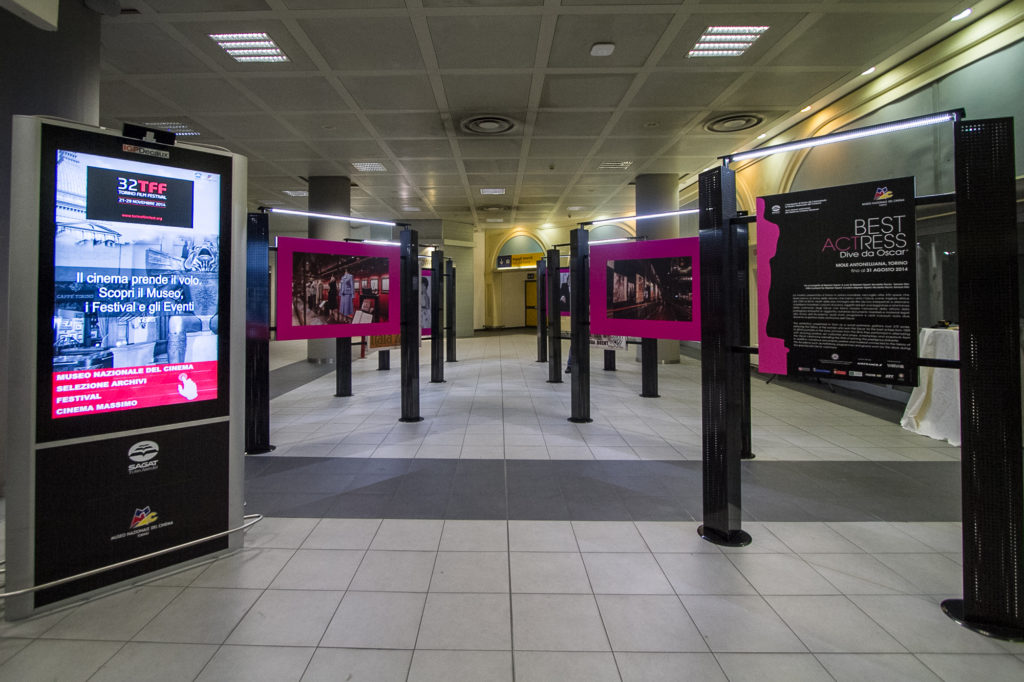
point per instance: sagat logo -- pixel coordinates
(143, 517)
(143, 454)
(882, 193)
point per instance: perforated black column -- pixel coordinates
(579, 291)
(990, 402)
(554, 321)
(449, 310)
(437, 304)
(257, 335)
(542, 318)
(410, 325)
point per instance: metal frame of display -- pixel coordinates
(257, 335)
(410, 325)
(437, 304)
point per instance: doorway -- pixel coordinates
(531, 302)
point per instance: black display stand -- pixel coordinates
(992, 476)
(554, 320)
(383, 360)
(722, 367)
(579, 334)
(437, 304)
(449, 310)
(343, 363)
(257, 335)
(742, 292)
(649, 368)
(542, 318)
(409, 319)
(609, 360)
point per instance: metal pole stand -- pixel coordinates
(437, 305)
(721, 367)
(410, 325)
(383, 360)
(554, 321)
(649, 368)
(542, 317)
(609, 360)
(449, 309)
(579, 335)
(343, 374)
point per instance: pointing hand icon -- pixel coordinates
(187, 388)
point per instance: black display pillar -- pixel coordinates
(383, 360)
(542, 317)
(609, 360)
(722, 367)
(410, 325)
(649, 368)
(990, 403)
(437, 305)
(449, 310)
(579, 334)
(257, 335)
(554, 320)
(343, 373)
(742, 311)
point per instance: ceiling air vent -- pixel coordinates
(487, 124)
(733, 123)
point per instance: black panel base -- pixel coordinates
(580, 420)
(554, 381)
(439, 381)
(650, 395)
(954, 608)
(410, 419)
(261, 451)
(747, 455)
(736, 538)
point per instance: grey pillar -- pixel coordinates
(51, 73)
(331, 195)
(659, 193)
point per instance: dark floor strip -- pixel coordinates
(595, 491)
(290, 377)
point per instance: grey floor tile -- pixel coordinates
(541, 536)
(10, 646)
(621, 573)
(895, 667)
(287, 618)
(544, 666)
(928, 573)
(376, 665)
(461, 666)
(859, 574)
(602, 536)
(557, 622)
(674, 536)
(879, 537)
(833, 624)
(649, 623)
(763, 541)
(408, 534)
(703, 574)
(811, 537)
(647, 667)
(919, 624)
(394, 571)
(470, 572)
(734, 624)
(342, 534)
(200, 616)
(474, 536)
(972, 667)
(319, 569)
(376, 620)
(248, 568)
(549, 572)
(774, 668)
(781, 574)
(152, 662)
(116, 616)
(279, 533)
(465, 621)
(257, 664)
(64, 660)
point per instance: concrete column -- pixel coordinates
(331, 195)
(659, 193)
(52, 73)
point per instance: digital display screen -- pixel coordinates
(136, 284)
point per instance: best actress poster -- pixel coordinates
(836, 282)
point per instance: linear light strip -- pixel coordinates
(894, 126)
(644, 217)
(327, 216)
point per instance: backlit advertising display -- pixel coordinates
(646, 289)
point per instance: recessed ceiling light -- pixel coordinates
(411, 209)
(495, 220)
(546, 225)
(249, 47)
(762, 136)
(295, 192)
(492, 190)
(868, 72)
(369, 166)
(602, 49)
(176, 127)
(614, 165)
(963, 15)
(726, 41)
(805, 109)
(577, 208)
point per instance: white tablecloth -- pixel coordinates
(934, 407)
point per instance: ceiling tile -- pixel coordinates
(629, 148)
(365, 43)
(484, 41)
(634, 36)
(144, 48)
(780, 23)
(343, 4)
(599, 90)
(491, 165)
(391, 92)
(851, 39)
(540, 166)
(195, 6)
(281, 151)
(407, 125)
(652, 122)
(709, 144)
(505, 180)
(494, 94)
(243, 126)
(201, 94)
(561, 147)
(420, 148)
(508, 147)
(431, 167)
(434, 179)
(198, 33)
(559, 123)
(120, 99)
(482, 3)
(781, 89)
(682, 89)
(350, 150)
(327, 125)
(295, 93)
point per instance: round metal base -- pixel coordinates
(342, 395)
(954, 608)
(410, 419)
(262, 451)
(555, 382)
(580, 420)
(442, 381)
(737, 538)
(747, 455)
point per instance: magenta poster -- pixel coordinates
(328, 289)
(646, 289)
(425, 275)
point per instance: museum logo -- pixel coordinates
(143, 517)
(143, 456)
(883, 193)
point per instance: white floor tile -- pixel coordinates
(319, 569)
(781, 574)
(461, 666)
(330, 665)
(608, 536)
(541, 536)
(649, 623)
(69, 660)
(773, 668)
(920, 625)
(199, 616)
(247, 568)
(408, 534)
(733, 624)
(342, 534)
(376, 620)
(257, 664)
(393, 571)
(474, 536)
(465, 621)
(545, 666)
(621, 573)
(549, 572)
(470, 572)
(557, 622)
(153, 662)
(973, 667)
(833, 624)
(895, 667)
(287, 618)
(703, 574)
(116, 617)
(657, 667)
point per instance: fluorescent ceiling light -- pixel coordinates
(411, 209)
(602, 49)
(868, 72)
(380, 241)
(176, 127)
(328, 216)
(805, 109)
(495, 220)
(610, 241)
(963, 15)
(296, 192)
(726, 41)
(577, 208)
(249, 47)
(762, 136)
(369, 166)
(614, 165)
(492, 190)
(904, 124)
(644, 217)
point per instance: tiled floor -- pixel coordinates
(466, 596)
